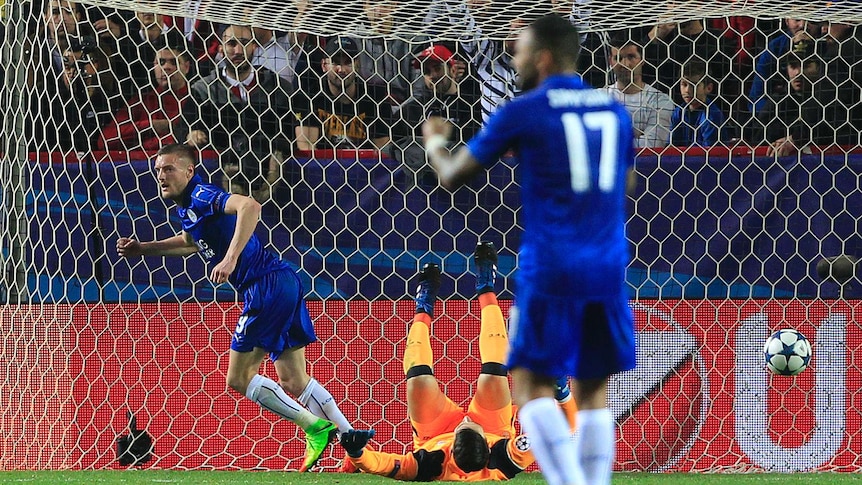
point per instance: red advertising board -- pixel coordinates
(699, 400)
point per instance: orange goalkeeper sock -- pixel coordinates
(570, 408)
(418, 349)
(493, 336)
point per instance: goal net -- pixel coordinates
(745, 219)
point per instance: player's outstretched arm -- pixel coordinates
(247, 212)
(354, 441)
(399, 467)
(452, 170)
(179, 245)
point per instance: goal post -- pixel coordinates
(15, 167)
(729, 242)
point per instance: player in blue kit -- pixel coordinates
(274, 320)
(574, 146)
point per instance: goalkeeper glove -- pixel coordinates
(354, 441)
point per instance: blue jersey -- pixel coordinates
(700, 127)
(203, 217)
(574, 146)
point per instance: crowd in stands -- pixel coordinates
(106, 79)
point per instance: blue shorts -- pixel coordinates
(274, 316)
(555, 335)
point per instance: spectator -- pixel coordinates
(109, 24)
(668, 46)
(309, 47)
(279, 52)
(767, 76)
(343, 111)
(201, 36)
(492, 60)
(62, 20)
(479, 26)
(795, 121)
(743, 39)
(59, 21)
(490, 57)
(441, 94)
(385, 58)
(110, 31)
(593, 58)
(84, 93)
(243, 112)
(148, 121)
(650, 108)
(698, 120)
(842, 52)
(71, 86)
(137, 52)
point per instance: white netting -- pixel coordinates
(726, 237)
(346, 17)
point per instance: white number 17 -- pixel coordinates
(575, 126)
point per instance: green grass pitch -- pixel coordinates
(160, 477)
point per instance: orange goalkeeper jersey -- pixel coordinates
(434, 461)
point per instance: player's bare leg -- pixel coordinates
(242, 367)
(291, 369)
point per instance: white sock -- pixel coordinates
(595, 441)
(546, 426)
(270, 396)
(320, 402)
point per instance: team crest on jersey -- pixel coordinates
(522, 443)
(192, 216)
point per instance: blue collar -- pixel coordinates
(187, 193)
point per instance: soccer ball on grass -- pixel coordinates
(787, 352)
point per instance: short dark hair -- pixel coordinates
(559, 36)
(620, 42)
(181, 150)
(238, 26)
(470, 450)
(696, 67)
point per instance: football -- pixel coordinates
(787, 352)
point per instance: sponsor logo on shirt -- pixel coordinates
(205, 250)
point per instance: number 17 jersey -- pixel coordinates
(574, 147)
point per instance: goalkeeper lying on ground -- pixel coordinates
(448, 443)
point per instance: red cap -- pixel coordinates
(436, 52)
